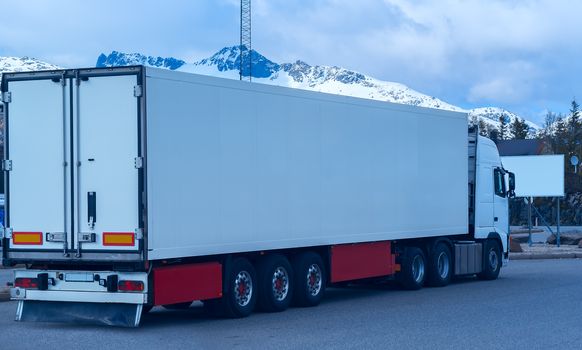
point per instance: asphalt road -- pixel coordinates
(534, 304)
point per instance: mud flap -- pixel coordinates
(110, 314)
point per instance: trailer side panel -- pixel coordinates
(235, 167)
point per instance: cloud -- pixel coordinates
(467, 52)
(500, 90)
(507, 83)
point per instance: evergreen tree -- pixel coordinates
(575, 131)
(483, 128)
(519, 128)
(494, 135)
(473, 121)
(574, 122)
(560, 135)
(503, 129)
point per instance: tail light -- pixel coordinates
(26, 283)
(130, 286)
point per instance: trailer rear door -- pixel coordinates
(106, 186)
(36, 191)
(73, 143)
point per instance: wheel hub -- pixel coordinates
(243, 288)
(443, 265)
(418, 269)
(314, 279)
(493, 260)
(280, 283)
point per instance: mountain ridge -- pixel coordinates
(299, 74)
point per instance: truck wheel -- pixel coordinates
(491, 260)
(275, 277)
(412, 273)
(178, 306)
(240, 296)
(146, 309)
(310, 279)
(440, 266)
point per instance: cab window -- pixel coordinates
(499, 182)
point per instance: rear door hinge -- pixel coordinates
(6, 233)
(138, 162)
(7, 97)
(7, 165)
(138, 233)
(137, 91)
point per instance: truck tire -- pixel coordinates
(440, 266)
(310, 279)
(146, 309)
(178, 306)
(240, 295)
(412, 269)
(275, 281)
(491, 260)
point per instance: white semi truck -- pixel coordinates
(132, 187)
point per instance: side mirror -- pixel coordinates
(511, 181)
(511, 185)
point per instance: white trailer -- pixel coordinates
(132, 187)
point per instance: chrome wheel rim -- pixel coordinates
(443, 265)
(418, 269)
(493, 260)
(243, 288)
(280, 283)
(314, 280)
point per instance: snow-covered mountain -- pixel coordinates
(330, 79)
(23, 64)
(494, 114)
(121, 59)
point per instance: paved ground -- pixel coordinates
(535, 304)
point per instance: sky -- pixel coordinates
(522, 55)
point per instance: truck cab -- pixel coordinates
(493, 187)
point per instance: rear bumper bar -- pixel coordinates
(77, 296)
(80, 286)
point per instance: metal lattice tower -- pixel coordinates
(245, 40)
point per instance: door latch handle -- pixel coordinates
(92, 209)
(495, 219)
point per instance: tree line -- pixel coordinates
(560, 134)
(507, 130)
(563, 134)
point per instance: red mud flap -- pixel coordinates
(110, 314)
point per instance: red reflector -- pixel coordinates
(130, 286)
(27, 238)
(118, 239)
(27, 283)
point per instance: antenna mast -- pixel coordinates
(245, 40)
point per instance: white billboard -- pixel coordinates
(537, 176)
